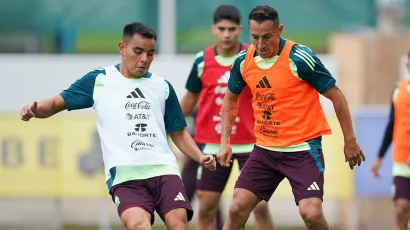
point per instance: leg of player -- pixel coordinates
(241, 206)
(219, 220)
(208, 209)
(135, 204)
(305, 172)
(136, 218)
(402, 207)
(176, 219)
(402, 201)
(263, 219)
(210, 186)
(171, 202)
(258, 180)
(311, 211)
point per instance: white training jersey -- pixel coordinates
(133, 118)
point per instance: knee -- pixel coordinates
(402, 208)
(138, 224)
(176, 219)
(261, 210)
(178, 225)
(208, 206)
(207, 210)
(311, 213)
(238, 208)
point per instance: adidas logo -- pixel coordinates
(264, 83)
(224, 78)
(313, 186)
(136, 94)
(117, 201)
(179, 197)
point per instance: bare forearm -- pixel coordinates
(183, 140)
(46, 108)
(188, 103)
(229, 112)
(343, 115)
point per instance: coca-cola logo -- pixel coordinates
(140, 145)
(138, 105)
(265, 96)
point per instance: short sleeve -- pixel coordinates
(80, 94)
(193, 83)
(173, 118)
(311, 69)
(236, 82)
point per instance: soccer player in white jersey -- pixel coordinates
(135, 110)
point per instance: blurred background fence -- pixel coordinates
(95, 26)
(51, 170)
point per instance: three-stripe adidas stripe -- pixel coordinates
(179, 197)
(264, 83)
(136, 94)
(313, 186)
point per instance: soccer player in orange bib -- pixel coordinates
(206, 87)
(398, 130)
(285, 79)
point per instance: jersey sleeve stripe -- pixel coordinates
(98, 86)
(307, 55)
(305, 60)
(199, 54)
(166, 90)
(243, 52)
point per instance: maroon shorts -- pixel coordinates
(265, 169)
(216, 181)
(161, 194)
(401, 187)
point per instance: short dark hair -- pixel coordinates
(262, 13)
(138, 28)
(227, 12)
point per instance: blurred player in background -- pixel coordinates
(207, 84)
(135, 109)
(398, 131)
(285, 79)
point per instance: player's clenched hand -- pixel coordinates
(225, 155)
(28, 111)
(353, 153)
(208, 161)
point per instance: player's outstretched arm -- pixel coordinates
(43, 109)
(387, 139)
(353, 153)
(183, 140)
